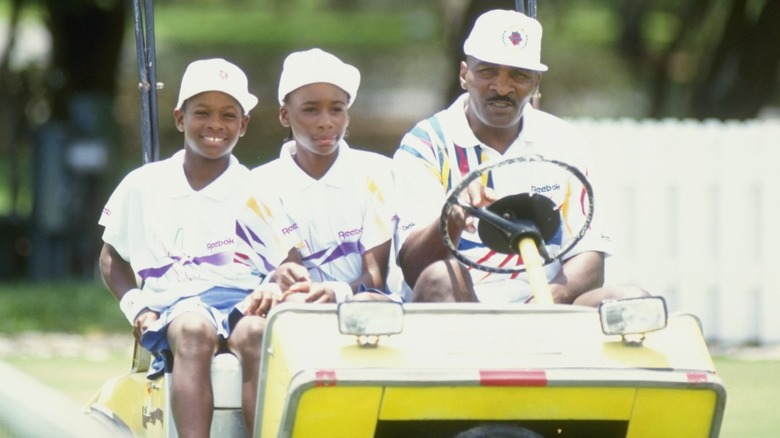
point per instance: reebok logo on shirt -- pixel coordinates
(545, 189)
(290, 229)
(350, 233)
(214, 245)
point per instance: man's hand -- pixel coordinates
(142, 322)
(476, 195)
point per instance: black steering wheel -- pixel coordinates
(508, 220)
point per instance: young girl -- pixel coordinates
(337, 199)
(172, 224)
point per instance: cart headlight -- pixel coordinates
(368, 320)
(632, 318)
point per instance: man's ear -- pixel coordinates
(464, 68)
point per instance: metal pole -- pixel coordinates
(143, 17)
(520, 6)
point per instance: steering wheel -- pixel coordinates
(509, 220)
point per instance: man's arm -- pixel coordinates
(421, 248)
(580, 274)
(425, 245)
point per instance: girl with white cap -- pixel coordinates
(172, 224)
(337, 199)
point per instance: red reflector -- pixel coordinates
(513, 378)
(697, 378)
(325, 378)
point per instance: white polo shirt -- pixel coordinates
(179, 241)
(335, 219)
(435, 155)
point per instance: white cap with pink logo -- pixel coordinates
(506, 37)
(216, 75)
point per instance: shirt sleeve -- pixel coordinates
(263, 229)
(114, 218)
(419, 190)
(596, 237)
(379, 217)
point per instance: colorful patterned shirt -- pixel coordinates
(439, 151)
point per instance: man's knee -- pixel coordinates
(597, 296)
(622, 292)
(444, 281)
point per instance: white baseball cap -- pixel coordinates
(216, 75)
(314, 66)
(506, 37)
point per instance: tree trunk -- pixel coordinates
(743, 74)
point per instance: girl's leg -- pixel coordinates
(194, 342)
(245, 342)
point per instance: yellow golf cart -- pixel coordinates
(627, 369)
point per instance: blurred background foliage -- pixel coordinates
(69, 102)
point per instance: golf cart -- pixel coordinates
(627, 369)
(381, 370)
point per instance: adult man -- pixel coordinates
(494, 120)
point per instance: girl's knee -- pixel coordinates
(247, 336)
(191, 333)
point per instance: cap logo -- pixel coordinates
(515, 38)
(223, 74)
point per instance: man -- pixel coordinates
(492, 121)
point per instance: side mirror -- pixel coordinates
(632, 318)
(368, 320)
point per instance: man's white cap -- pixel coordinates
(315, 66)
(507, 38)
(216, 75)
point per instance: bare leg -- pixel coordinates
(194, 341)
(444, 281)
(246, 342)
(594, 297)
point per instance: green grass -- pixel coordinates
(753, 389)
(78, 377)
(74, 307)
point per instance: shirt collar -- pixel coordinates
(218, 190)
(337, 176)
(463, 136)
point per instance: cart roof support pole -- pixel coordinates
(143, 17)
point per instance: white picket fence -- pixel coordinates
(695, 214)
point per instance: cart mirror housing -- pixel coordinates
(368, 320)
(632, 318)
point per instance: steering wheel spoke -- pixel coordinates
(517, 217)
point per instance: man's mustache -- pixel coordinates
(498, 98)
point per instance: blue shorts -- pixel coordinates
(217, 305)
